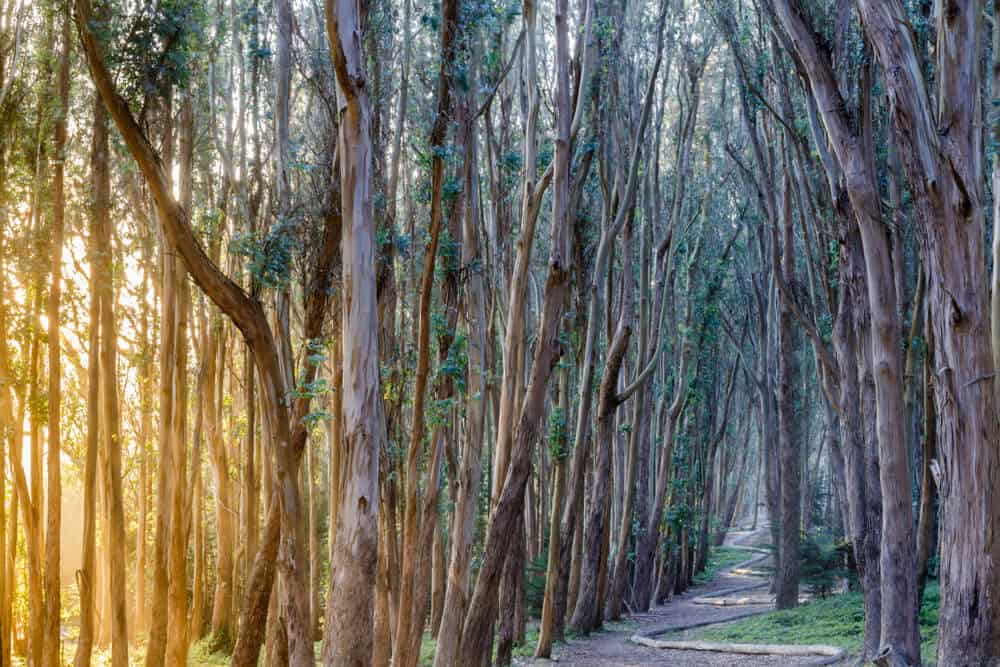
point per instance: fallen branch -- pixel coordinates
(786, 650)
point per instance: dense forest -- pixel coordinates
(389, 332)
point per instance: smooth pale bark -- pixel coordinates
(407, 633)
(476, 634)
(157, 643)
(854, 154)
(110, 419)
(519, 276)
(312, 492)
(177, 625)
(586, 615)
(248, 315)
(6, 433)
(53, 514)
(32, 492)
(546, 633)
(470, 473)
(293, 564)
(222, 604)
(145, 435)
(86, 579)
(350, 604)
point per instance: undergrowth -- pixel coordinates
(836, 621)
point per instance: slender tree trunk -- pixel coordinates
(586, 616)
(928, 485)
(558, 444)
(145, 434)
(470, 474)
(53, 641)
(177, 606)
(787, 576)
(86, 577)
(109, 396)
(476, 632)
(157, 645)
(350, 604)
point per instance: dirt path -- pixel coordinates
(613, 648)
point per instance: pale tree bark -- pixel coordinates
(145, 435)
(33, 495)
(53, 607)
(587, 615)
(157, 643)
(293, 564)
(247, 314)
(86, 576)
(546, 633)
(519, 275)
(470, 473)
(177, 630)
(348, 638)
(109, 399)
(8, 433)
(945, 173)
(476, 635)
(855, 155)
(407, 633)
(222, 604)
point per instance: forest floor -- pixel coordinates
(615, 648)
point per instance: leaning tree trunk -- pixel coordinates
(476, 634)
(946, 178)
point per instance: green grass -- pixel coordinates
(200, 654)
(836, 621)
(719, 558)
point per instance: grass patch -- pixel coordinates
(719, 558)
(836, 621)
(201, 654)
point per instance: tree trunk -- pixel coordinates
(53, 641)
(86, 577)
(928, 485)
(470, 474)
(558, 446)
(586, 615)
(946, 180)
(787, 575)
(350, 604)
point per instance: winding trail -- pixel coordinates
(739, 586)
